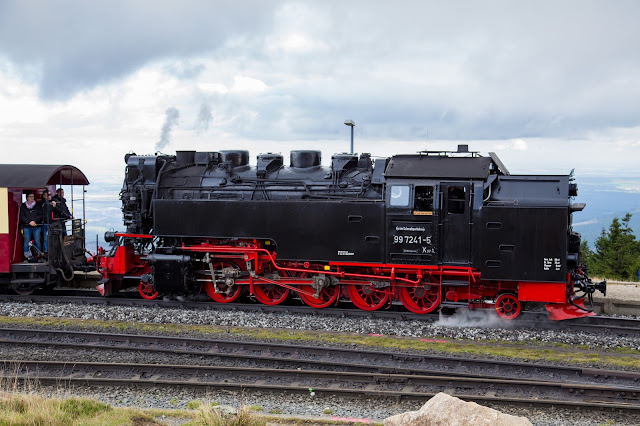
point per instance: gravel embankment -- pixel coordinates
(305, 405)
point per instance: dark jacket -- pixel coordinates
(61, 210)
(30, 214)
(48, 211)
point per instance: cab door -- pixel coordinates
(411, 223)
(455, 223)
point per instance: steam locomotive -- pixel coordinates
(426, 231)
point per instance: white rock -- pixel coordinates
(446, 410)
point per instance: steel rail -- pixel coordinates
(397, 386)
(310, 357)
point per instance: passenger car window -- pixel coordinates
(399, 196)
(455, 200)
(423, 201)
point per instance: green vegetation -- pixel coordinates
(210, 416)
(255, 408)
(617, 252)
(18, 409)
(193, 405)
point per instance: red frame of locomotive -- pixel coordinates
(354, 277)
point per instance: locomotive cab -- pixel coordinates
(430, 206)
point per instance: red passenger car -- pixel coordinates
(66, 240)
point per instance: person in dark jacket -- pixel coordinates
(63, 212)
(49, 208)
(31, 219)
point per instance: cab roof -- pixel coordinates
(433, 166)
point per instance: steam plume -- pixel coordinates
(482, 318)
(205, 117)
(169, 123)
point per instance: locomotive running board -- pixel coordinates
(567, 311)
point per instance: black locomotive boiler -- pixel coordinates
(429, 230)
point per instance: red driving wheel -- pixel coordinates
(367, 297)
(225, 293)
(271, 294)
(147, 290)
(508, 306)
(326, 297)
(421, 299)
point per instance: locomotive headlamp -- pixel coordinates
(573, 189)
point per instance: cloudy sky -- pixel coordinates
(548, 85)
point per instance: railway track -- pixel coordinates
(351, 384)
(535, 320)
(300, 357)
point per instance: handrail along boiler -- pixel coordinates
(428, 230)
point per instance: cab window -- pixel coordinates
(455, 200)
(399, 196)
(423, 201)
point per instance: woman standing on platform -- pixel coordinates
(31, 219)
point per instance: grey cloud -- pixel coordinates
(185, 70)
(79, 44)
(171, 120)
(496, 70)
(461, 70)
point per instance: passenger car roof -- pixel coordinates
(40, 175)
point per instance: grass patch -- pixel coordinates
(193, 405)
(569, 355)
(206, 415)
(19, 409)
(83, 407)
